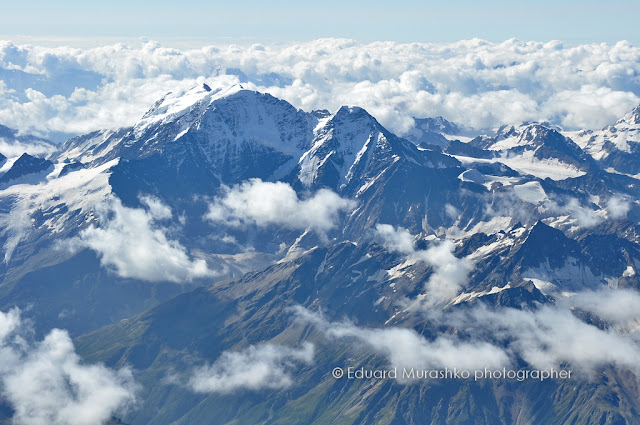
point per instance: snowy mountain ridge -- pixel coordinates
(201, 232)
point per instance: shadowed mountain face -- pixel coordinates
(26, 165)
(233, 250)
(258, 308)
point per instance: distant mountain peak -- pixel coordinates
(437, 124)
(615, 146)
(26, 165)
(354, 112)
(527, 131)
(527, 135)
(16, 143)
(632, 118)
(430, 131)
(340, 140)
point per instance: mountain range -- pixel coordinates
(228, 229)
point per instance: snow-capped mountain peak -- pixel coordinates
(185, 106)
(340, 141)
(530, 135)
(433, 131)
(529, 148)
(175, 103)
(211, 118)
(632, 118)
(346, 129)
(615, 146)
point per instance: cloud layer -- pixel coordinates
(473, 82)
(45, 381)
(265, 203)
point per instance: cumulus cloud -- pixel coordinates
(132, 243)
(255, 368)
(474, 82)
(45, 382)
(396, 240)
(449, 272)
(578, 107)
(265, 203)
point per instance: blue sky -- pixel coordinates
(571, 21)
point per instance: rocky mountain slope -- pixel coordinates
(233, 250)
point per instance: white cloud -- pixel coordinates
(591, 103)
(259, 367)
(580, 215)
(618, 306)
(396, 240)
(569, 213)
(551, 336)
(45, 381)
(583, 216)
(15, 148)
(405, 348)
(130, 242)
(157, 210)
(449, 272)
(618, 207)
(264, 203)
(474, 82)
(452, 212)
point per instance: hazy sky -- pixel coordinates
(571, 21)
